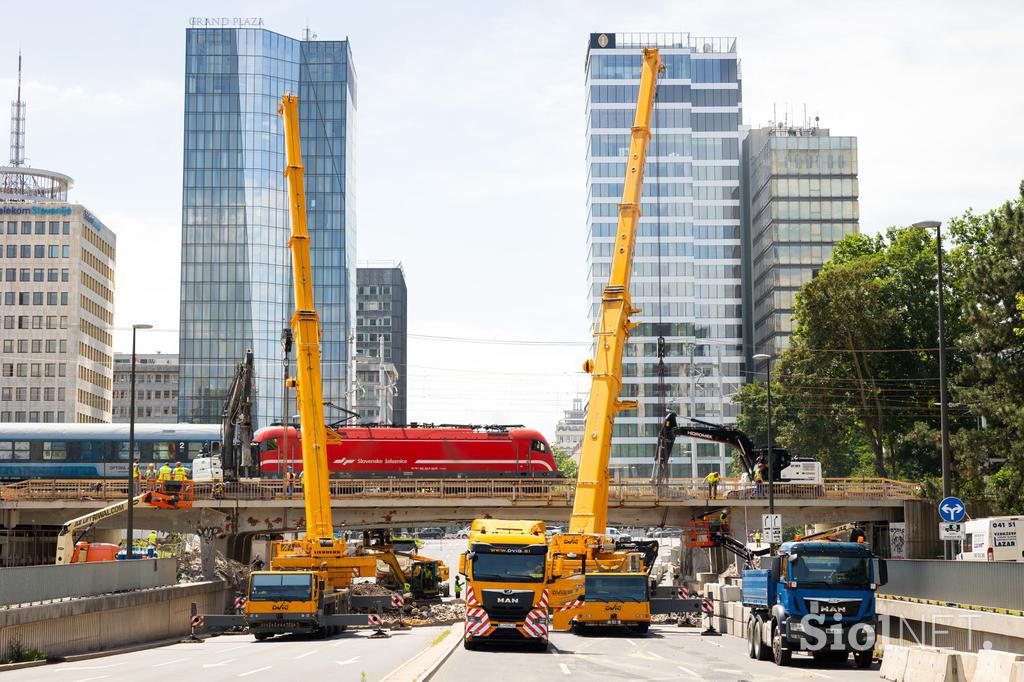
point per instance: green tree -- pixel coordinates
(990, 385)
(563, 459)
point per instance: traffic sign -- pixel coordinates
(952, 510)
(772, 536)
(951, 531)
(397, 600)
(771, 521)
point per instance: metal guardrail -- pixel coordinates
(993, 585)
(620, 491)
(27, 584)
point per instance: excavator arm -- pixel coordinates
(670, 430)
(238, 412)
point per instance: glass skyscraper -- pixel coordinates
(236, 286)
(803, 199)
(687, 267)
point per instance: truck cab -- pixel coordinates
(288, 601)
(506, 583)
(816, 597)
(614, 600)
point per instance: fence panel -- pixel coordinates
(25, 584)
(998, 585)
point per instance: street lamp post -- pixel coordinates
(943, 395)
(771, 450)
(129, 540)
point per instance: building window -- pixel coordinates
(53, 251)
(40, 251)
(26, 227)
(65, 275)
(21, 394)
(66, 251)
(67, 227)
(33, 393)
(40, 227)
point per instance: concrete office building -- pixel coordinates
(687, 264)
(381, 326)
(236, 282)
(57, 290)
(802, 189)
(156, 388)
(569, 429)
(375, 390)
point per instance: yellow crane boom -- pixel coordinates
(590, 506)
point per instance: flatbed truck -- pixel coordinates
(814, 597)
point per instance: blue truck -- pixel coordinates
(814, 597)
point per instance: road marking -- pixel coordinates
(731, 671)
(89, 667)
(351, 660)
(176, 660)
(98, 677)
(308, 653)
(217, 665)
(822, 675)
(235, 648)
(257, 670)
(687, 670)
(631, 642)
(565, 669)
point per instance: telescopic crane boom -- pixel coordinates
(590, 506)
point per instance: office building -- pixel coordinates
(381, 325)
(374, 392)
(802, 189)
(57, 290)
(236, 281)
(156, 388)
(687, 264)
(569, 429)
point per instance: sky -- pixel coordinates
(470, 148)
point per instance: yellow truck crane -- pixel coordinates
(305, 589)
(595, 580)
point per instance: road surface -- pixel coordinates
(666, 653)
(348, 656)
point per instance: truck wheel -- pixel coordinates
(640, 628)
(261, 636)
(750, 638)
(780, 654)
(468, 644)
(761, 652)
(863, 659)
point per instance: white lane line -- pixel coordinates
(308, 653)
(172, 662)
(654, 655)
(565, 669)
(79, 668)
(631, 642)
(88, 679)
(346, 662)
(821, 675)
(235, 648)
(257, 670)
(731, 671)
(687, 670)
(217, 665)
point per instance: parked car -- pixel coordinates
(430, 534)
(617, 534)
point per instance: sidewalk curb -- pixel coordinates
(23, 664)
(424, 665)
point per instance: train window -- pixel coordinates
(539, 446)
(195, 450)
(6, 450)
(54, 450)
(269, 445)
(22, 450)
(122, 451)
(91, 450)
(164, 452)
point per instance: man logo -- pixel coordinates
(602, 40)
(507, 600)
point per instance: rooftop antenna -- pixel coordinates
(307, 33)
(18, 125)
(806, 121)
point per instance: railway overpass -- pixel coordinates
(243, 510)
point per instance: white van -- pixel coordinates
(997, 538)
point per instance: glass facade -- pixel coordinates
(803, 199)
(687, 267)
(236, 286)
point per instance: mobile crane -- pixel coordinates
(305, 589)
(594, 581)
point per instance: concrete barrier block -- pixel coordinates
(995, 665)
(1017, 672)
(968, 666)
(894, 662)
(933, 665)
(730, 593)
(746, 614)
(703, 578)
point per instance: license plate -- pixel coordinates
(506, 626)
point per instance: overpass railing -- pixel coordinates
(620, 491)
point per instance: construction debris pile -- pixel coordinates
(415, 612)
(190, 568)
